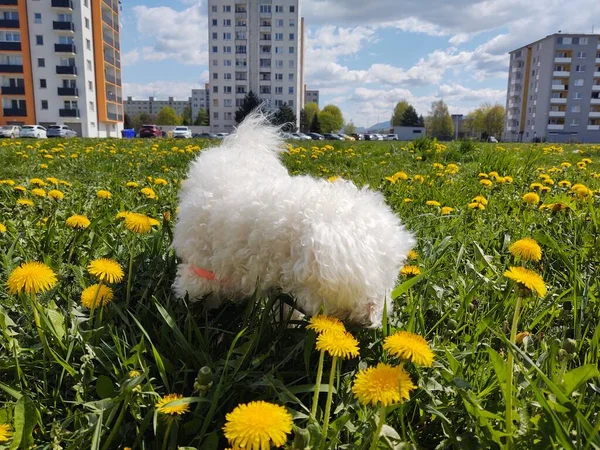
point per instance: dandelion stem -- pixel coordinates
(129, 274)
(328, 404)
(315, 402)
(117, 425)
(382, 413)
(509, 378)
(165, 441)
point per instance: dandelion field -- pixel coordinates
(494, 341)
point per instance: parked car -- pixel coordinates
(316, 136)
(289, 136)
(221, 135)
(347, 137)
(10, 131)
(302, 136)
(206, 135)
(182, 132)
(332, 137)
(33, 131)
(60, 131)
(493, 140)
(391, 137)
(369, 137)
(150, 131)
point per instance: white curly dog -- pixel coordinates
(245, 226)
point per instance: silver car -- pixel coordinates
(33, 131)
(62, 131)
(10, 131)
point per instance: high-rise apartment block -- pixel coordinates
(200, 100)
(152, 105)
(554, 90)
(60, 63)
(254, 45)
(311, 96)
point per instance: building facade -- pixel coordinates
(153, 106)
(554, 90)
(200, 100)
(254, 45)
(311, 96)
(60, 63)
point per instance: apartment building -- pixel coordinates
(60, 63)
(554, 90)
(200, 100)
(254, 45)
(153, 106)
(311, 96)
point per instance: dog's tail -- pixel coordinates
(256, 133)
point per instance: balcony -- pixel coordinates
(66, 4)
(597, 74)
(558, 101)
(241, 14)
(68, 92)
(593, 127)
(9, 24)
(595, 114)
(596, 87)
(597, 60)
(11, 68)
(15, 112)
(11, 46)
(556, 127)
(64, 48)
(111, 116)
(560, 59)
(68, 112)
(13, 90)
(595, 101)
(561, 73)
(9, 2)
(63, 26)
(558, 87)
(556, 113)
(66, 70)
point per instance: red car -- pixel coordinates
(151, 131)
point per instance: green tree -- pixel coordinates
(311, 109)
(202, 118)
(304, 123)
(349, 128)
(285, 118)
(141, 119)
(410, 117)
(421, 121)
(494, 121)
(399, 113)
(127, 123)
(186, 116)
(168, 116)
(331, 119)
(315, 125)
(251, 102)
(439, 123)
(485, 121)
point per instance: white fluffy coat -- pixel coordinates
(243, 217)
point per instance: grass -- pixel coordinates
(83, 380)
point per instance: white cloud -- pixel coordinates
(131, 57)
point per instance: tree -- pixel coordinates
(399, 113)
(186, 116)
(168, 116)
(311, 109)
(494, 121)
(349, 128)
(410, 117)
(141, 119)
(285, 118)
(251, 102)
(421, 121)
(439, 123)
(331, 119)
(304, 123)
(202, 118)
(315, 125)
(127, 123)
(486, 120)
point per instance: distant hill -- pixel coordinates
(378, 126)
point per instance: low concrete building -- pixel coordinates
(409, 133)
(153, 106)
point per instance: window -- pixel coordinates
(292, 9)
(215, 49)
(215, 89)
(292, 36)
(278, 50)
(37, 18)
(215, 76)
(265, 89)
(227, 49)
(577, 95)
(227, 102)
(576, 108)
(239, 102)
(87, 23)
(43, 83)
(89, 64)
(215, 115)
(292, 23)
(44, 104)
(91, 106)
(71, 104)
(227, 8)
(278, 90)
(227, 89)
(227, 76)
(227, 22)
(214, 22)
(564, 40)
(216, 102)
(10, 36)
(215, 35)
(583, 41)
(578, 82)
(291, 90)
(291, 63)
(88, 44)
(214, 8)
(10, 15)
(574, 122)
(582, 55)
(278, 8)
(227, 36)
(279, 36)
(278, 77)
(240, 89)
(265, 9)
(240, 49)
(215, 62)
(41, 62)
(279, 23)
(291, 103)
(579, 68)
(291, 77)
(85, 3)
(39, 40)
(291, 50)
(279, 63)
(227, 63)
(90, 85)
(228, 116)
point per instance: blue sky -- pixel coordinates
(362, 56)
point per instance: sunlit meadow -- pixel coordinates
(494, 341)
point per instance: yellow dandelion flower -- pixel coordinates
(38, 192)
(138, 223)
(527, 249)
(544, 189)
(340, 344)
(172, 405)
(56, 194)
(564, 183)
(107, 270)
(78, 221)
(133, 373)
(521, 336)
(258, 426)
(104, 194)
(528, 278)
(486, 183)
(410, 271)
(508, 179)
(566, 164)
(95, 295)
(432, 203)
(37, 182)
(483, 175)
(548, 181)
(532, 198)
(160, 182)
(20, 188)
(52, 180)
(322, 323)
(24, 202)
(31, 278)
(536, 186)
(446, 210)
(481, 199)
(153, 222)
(131, 184)
(382, 385)
(412, 255)
(493, 174)
(408, 200)
(5, 432)
(581, 165)
(2, 228)
(409, 346)
(122, 214)
(586, 161)
(148, 192)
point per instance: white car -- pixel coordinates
(302, 136)
(182, 132)
(222, 135)
(33, 131)
(10, 131)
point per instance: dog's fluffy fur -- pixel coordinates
(244, 218)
